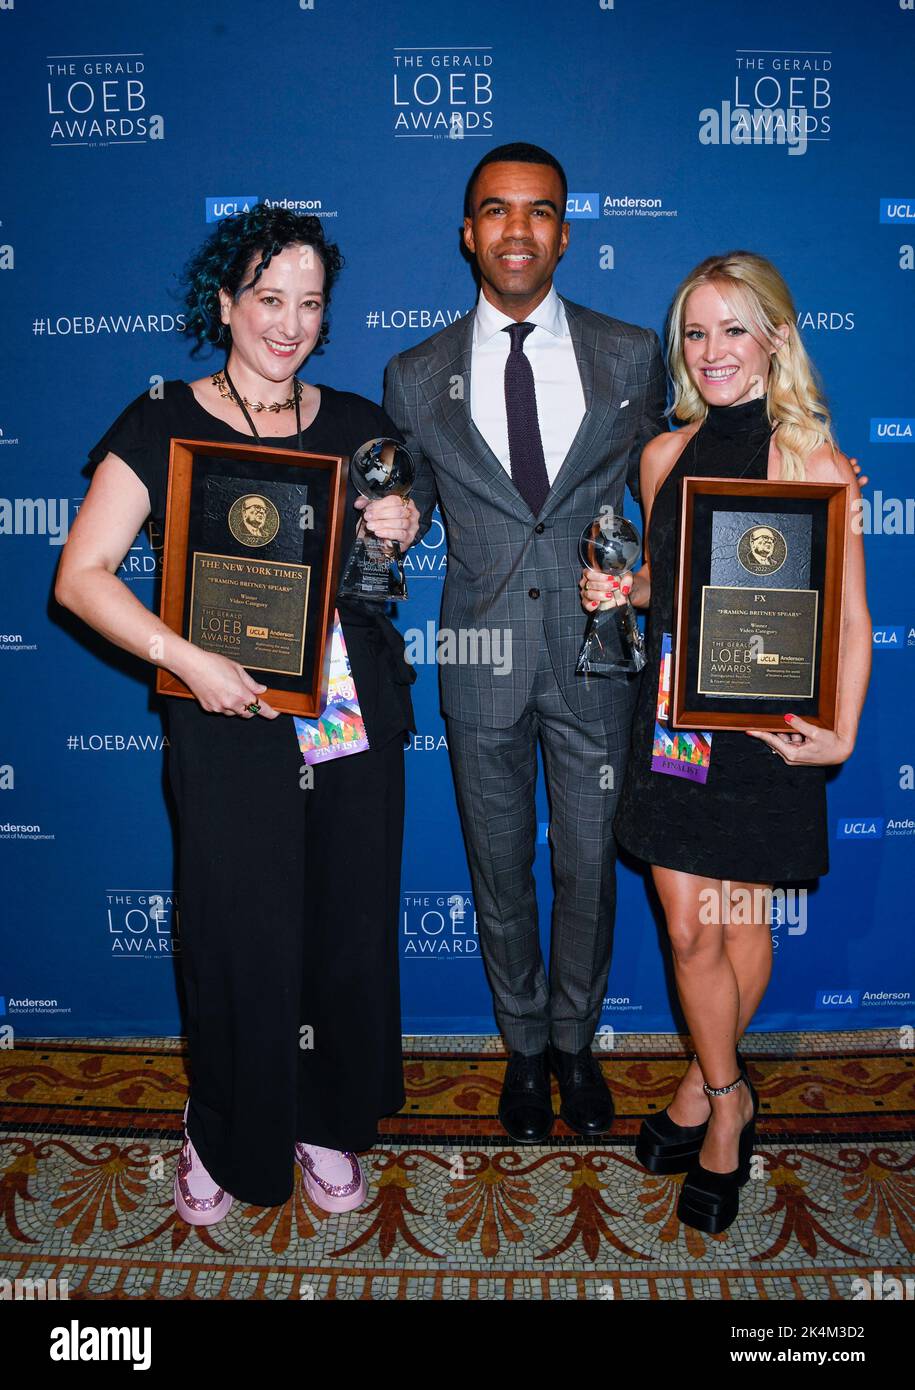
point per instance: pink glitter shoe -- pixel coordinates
(333, 1179)
(198, 1199)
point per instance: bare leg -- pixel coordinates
(748, 945)
(722, 953)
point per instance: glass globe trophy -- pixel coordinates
(612, 642)
(379, 468)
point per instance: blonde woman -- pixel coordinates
(744, 386)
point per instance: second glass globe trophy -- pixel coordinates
(612, 642)
(379, 468)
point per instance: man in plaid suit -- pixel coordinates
(522, 434)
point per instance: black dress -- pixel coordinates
(288, 897)
(757, 819)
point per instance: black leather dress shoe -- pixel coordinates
(525, 1108)
(587, 1105)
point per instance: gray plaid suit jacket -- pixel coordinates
(508, 569)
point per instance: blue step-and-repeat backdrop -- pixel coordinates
(685, 130)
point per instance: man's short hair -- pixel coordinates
(518, 153)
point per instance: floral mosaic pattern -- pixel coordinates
(90, 1133)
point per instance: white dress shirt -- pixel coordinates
(557, 382)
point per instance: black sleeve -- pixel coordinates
(137, 437)
(378, 420)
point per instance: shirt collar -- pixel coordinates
(549, 314)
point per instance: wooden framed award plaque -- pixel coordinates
(251, 563)
(760, 585)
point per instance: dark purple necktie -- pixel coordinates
(525, 447)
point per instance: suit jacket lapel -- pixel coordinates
(596, 361)
(452, 411)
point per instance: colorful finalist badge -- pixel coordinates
(339, 730)
(683, 752)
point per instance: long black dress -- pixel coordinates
(288, 897)
(757, 819)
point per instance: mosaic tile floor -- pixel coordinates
(90, 1131)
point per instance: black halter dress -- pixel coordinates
(756, 819)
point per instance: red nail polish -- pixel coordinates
(788, 718)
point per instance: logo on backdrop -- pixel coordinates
(893, 639)
(231, 204)
(100, 99)
(141, 923)
(838, 998)
(24, 830)
(428, 318)
(620, 1004)
(16, 642)
(624, 205)
(582, 205)
(830, 320)
(18, 1006)
(116, 743)
(443, 92)
(863, 998)
(897, 209)
(439, 926)
(860, 828)
(426, 743)
(776, 97)
(893, 429)
(96, 325)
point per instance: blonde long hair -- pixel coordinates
(759, 299)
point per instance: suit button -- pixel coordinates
(540, 528)
(533, 593)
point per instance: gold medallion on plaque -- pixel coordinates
(253, 520)
(762, 550)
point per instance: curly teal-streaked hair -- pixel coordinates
(223, 260)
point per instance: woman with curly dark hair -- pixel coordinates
(289, 965)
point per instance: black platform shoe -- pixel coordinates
(665, 1147)
(525, 1105)
(709, 1201)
